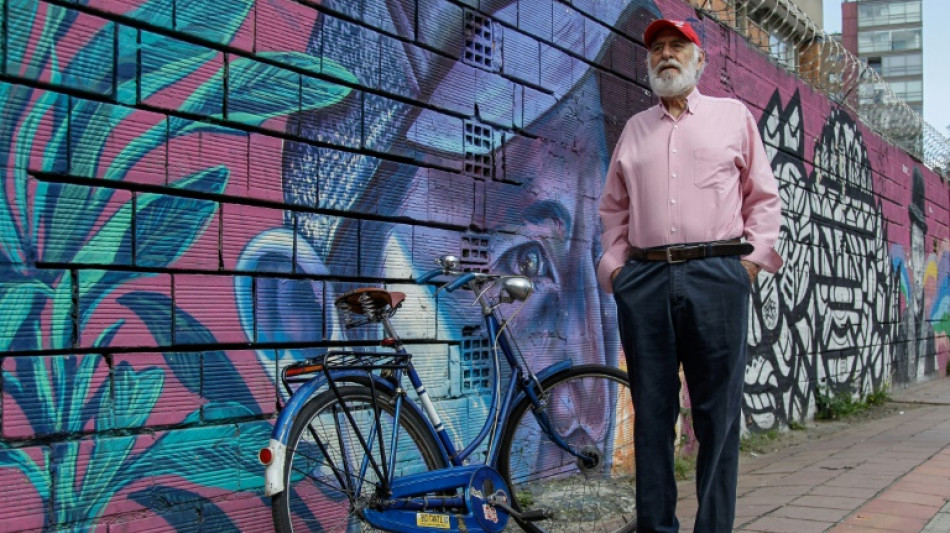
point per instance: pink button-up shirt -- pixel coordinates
(703, 177)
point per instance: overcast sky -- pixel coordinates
(936, 44)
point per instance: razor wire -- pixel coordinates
(825, 64)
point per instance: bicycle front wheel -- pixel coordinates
(589, 409)
(328, 482)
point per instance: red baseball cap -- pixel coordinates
(679, 25)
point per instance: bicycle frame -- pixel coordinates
(414, 492)
(518, 384)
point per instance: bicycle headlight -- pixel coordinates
(518, 287)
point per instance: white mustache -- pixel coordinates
(668, 63)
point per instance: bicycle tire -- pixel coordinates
(313, 498)
(590, 407)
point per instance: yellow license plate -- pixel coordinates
(440, 521)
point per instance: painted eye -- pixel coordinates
(527, 259)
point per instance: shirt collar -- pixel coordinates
(692, 103)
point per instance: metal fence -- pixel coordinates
(781, 29)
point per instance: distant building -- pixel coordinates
(784, 29)
(888, 36)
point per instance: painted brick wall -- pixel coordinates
(187, 185)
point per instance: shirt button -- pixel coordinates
(674, 150)
(674, 174)
(673, 230)
(672, 201)
(676, 126)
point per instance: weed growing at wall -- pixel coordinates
(834, 406)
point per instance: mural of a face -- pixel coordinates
(915, 354)
(534, 202)
(836, 305)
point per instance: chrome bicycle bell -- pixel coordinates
(448, 263)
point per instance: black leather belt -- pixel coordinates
(677, 253)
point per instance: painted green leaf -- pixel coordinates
(61, 331)
(30, 385)
(18, 121)
(17, 299)
(58, 207)
(228, 452)
(79, 389)
(136, 393)
(30, 61)
(153, 308)
(97, 284)
(254, 77)
(24, 10)
(193, 17)
(101, 477)
(48, 103)
(38, 477)
(167, 226)
(104, 245)
(105, 338)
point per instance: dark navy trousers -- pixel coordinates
(694, 313)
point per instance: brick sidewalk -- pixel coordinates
(891, 474)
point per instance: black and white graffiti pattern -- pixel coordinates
(822, 325)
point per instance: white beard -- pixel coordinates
(671, 84)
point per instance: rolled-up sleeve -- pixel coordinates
(761, 204)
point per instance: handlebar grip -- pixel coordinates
(429, 275)
(460, 281)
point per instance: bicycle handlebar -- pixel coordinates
(513, 287)
(429, 276)
(460, 281)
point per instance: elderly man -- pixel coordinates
(690, 214)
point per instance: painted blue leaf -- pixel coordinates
(112, 237)
(105, 338)
(18, 299)
(167, 226)
(22, 112)
(216, 21)
(91, 67)
(188, 508)
(153, 308)
(156, 308)
(30, 61)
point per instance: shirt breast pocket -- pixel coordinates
(712, 168)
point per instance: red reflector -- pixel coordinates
(265, 456)
(304, 370)
(388, 342)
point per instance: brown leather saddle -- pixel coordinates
(369, 300)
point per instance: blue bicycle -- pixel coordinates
(360, 445)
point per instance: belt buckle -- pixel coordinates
(669, 256)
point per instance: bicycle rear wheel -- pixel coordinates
(590, 408)
(325, 491)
